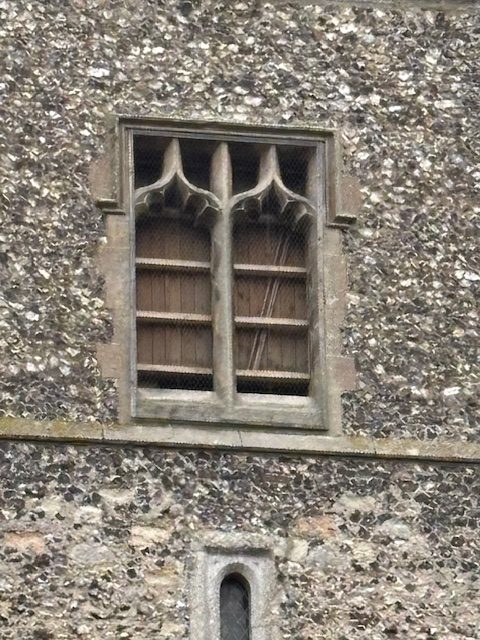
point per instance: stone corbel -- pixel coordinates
(105, 177)
(344, 197)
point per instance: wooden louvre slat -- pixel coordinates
(262, 322)
(174, 369)
(172, 265)
(260, 374)
(174, 318)
(269, 270)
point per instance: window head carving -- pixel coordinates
(172, 193)
(229, 316)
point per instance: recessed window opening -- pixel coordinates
(245, 160)
(173, 291)
(148, 159)
(270, 301)
(196, 161)
(173, 263)
(235, 608)
(294, 166)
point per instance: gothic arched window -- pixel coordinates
(226, 278)
(234, 608)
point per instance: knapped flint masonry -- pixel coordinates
(115, 527)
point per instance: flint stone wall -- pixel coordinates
(95, 542)
(401, 86)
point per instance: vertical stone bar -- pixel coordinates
(222, 278)
(315, 274)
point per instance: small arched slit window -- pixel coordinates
(234, 608)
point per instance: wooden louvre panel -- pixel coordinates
(271, 328)
(173, 294)
(253, 199)
(270, 281)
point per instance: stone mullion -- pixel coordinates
(222, 278)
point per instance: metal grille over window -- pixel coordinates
(234, 608)
(174, 322)
(270, 286)
(224, 252)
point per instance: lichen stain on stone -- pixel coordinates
(25, 541)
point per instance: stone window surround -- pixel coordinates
(217, 208)
(218, 555)
(111, 180)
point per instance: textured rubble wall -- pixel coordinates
(95, 542)
(403, 88)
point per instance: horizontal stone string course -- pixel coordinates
(248, 439)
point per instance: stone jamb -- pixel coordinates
(217, 555)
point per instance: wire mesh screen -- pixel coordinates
(270, 268)
(173, 278)
(234, 609)
(271, 327)
(182, 187)
(174, 335)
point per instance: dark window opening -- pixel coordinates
(148, 152)
(177, 209)
(196, 159)
(235, 608)
(245, 159)
(294, 166)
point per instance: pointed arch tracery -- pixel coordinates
(267, 223)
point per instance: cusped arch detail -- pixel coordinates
(199, 203)
(293, 209)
